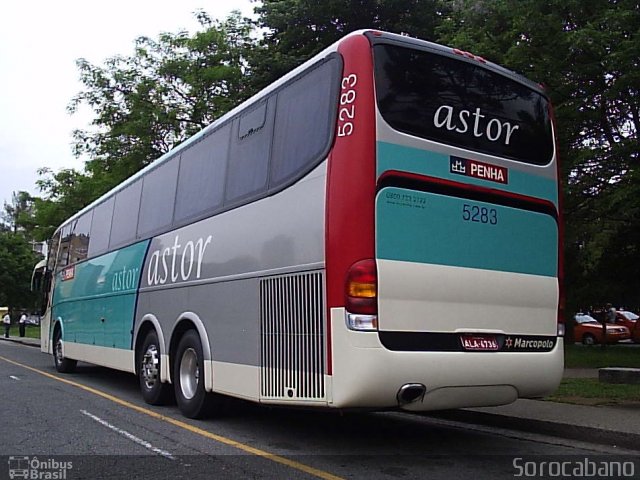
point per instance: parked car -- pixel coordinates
(33, 319)
(589, 331)
(626, 318)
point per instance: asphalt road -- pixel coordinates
(94, 424)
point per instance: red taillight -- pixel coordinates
(361, 288)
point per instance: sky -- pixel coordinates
(40, 41)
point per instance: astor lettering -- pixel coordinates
(476, 123)
(178, 262)
(125, 279)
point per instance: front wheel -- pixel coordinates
(588, 339)
(63, 365)
(188, 377)
(154, 392)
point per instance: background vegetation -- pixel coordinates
(584, 51)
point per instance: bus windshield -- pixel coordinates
(461, 103)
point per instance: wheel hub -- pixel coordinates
(189, 373)
(150, 363)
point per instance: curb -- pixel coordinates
(19, 340)
(569, 431)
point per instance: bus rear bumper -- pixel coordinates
(367, 375)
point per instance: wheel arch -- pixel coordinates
(191, 321)
(147, 323)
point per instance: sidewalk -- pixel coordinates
(32, 342)
(607, 425)
(613, 425)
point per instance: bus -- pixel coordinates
(378, 229)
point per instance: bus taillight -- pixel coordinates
(361, 295)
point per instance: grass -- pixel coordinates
(579, 356)
(31, 331)
(589, 391)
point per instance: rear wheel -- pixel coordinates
(154, 392)
(63, 365)
(188, 378)
(588, 339)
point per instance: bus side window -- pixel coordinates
(202, 172)
(305, 121)
(101, 228)
(52, 249)
(125, 215)
(158, 198)
(250, 151)
(80, 238)
(65, 247)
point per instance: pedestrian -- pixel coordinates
(22, 323)
(610, 314)
(7, 324)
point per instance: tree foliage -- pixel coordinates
(587, 55)
(298, 29)
(169, 89)
(144, 105)
(19, 214)
(17, 260)
(585, 52)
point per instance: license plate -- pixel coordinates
(479, 343)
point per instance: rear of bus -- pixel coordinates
(449, 231)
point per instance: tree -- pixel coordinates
(17, 260)
(147, 103)
(586, 53)
(19, 214)
(144, 105)
(298, 29)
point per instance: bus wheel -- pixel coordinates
(154, 392)
(188, 376)
(63, 365)
(588, 339)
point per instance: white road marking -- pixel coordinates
(14, 377)
(130, 436)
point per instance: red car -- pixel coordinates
(626, 318)
(589, 331)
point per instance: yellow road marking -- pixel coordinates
(178, 423)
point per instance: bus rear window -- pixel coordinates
(459, 103)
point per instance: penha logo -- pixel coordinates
(475, 169)
(68, 273)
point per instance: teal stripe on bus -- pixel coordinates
(425, 162)
(97, 302)
(431, 228)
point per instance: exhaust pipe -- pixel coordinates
(410, 393)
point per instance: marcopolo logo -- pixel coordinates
(38, 469)
(529, 344)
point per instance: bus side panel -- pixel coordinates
(95, 301)
(211, 271)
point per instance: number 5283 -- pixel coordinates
(477, 214)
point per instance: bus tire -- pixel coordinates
(154, 392)
(63, 365)
(188, 377)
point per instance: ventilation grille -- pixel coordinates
(292, 337)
